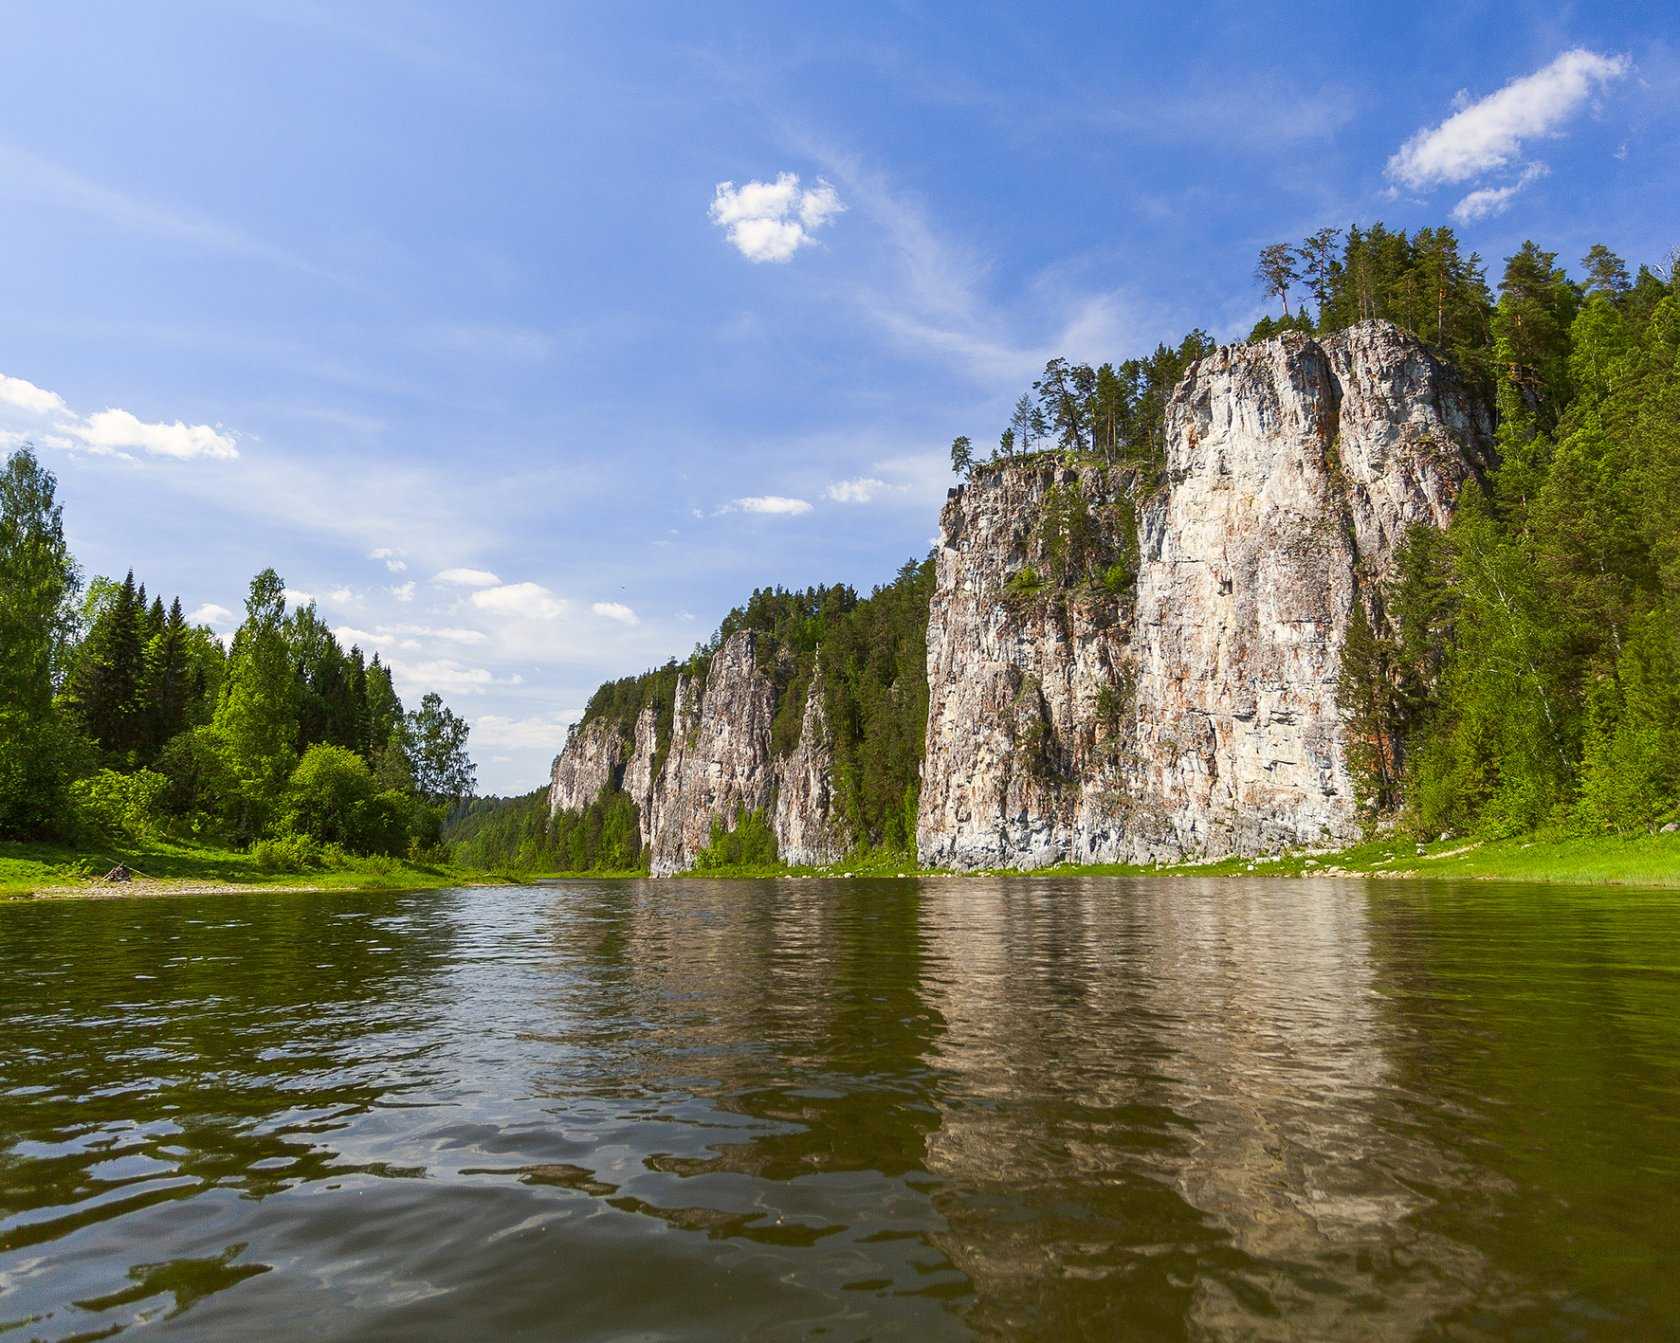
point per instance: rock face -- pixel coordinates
(1195, 714)
(719, 764)
(589, 763)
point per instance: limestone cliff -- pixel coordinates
(589, 763)
(1194, 714)
(718, 764)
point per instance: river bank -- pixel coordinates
(169, 868)
(1642, 860)
(166, 867)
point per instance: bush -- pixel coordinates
(119, 806)
(38, 758)
(201, 786)
(750, 843)
(1025, 582)
(328, 797)
(288, 853)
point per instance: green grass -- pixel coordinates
(26, 868)
(1643, 860)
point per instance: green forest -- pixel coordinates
(121, 721)
(1522, 672)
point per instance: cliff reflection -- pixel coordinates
(1109, 1105)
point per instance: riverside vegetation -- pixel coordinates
(1514, 685)
(129, 734)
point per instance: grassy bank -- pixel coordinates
(28, 869)
(1645, 860)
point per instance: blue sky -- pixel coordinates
(442, 311)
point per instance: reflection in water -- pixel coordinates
(1051, 1108)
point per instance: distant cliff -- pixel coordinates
(1122, 664)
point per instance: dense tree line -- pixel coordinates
(121, 718)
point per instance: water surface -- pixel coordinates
(849, 1109)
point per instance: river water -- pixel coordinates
(918, 1109)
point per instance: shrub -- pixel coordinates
(287, 853)
(119, 806)
(200, 783)
(750, 843)
(327, 797)
(1024, 583)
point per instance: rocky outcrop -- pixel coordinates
(808, 830)
(1194, 714)
(589, 763)
(719, 764)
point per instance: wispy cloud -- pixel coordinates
(467, 578)
(31, 180)
(1491, 132)
(861, 490)
(774, 504)
(24, 395)
(527, 601)
(1485, 202)
(216, 617)
(391, 557)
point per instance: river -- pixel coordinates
(1199, 1109)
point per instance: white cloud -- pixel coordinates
(210, 614)
(530, 601)
(114, 431)
(404, 592)
(24, 395)
(770, 221)
(1490, 132)
(467, 578)
(342, 597)
(616, 611)
(1485, 202)
(544, 733)
(445, 676)
(862, 490)
(767, 503)
(393, 558)
(296, 597)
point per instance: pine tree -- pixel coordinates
(103, 693)
(169, 681)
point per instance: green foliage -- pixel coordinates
(329, 797)
(287, 853)
(749, 843)
(119, 806)
(1024, 584)
(202, 786)
(517, 835)
(437, 748)
(38, 585)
